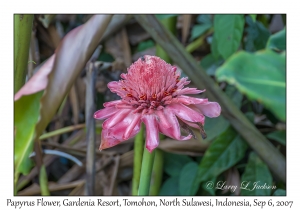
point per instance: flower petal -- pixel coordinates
(163, 119)
(186, 113)
(174, 130)
(210, 109)
(113, 136)
(136, 119)
(152, 137)
(105, 113)
(112, 103)
(188, 91)
(116, 118)
(189, 100)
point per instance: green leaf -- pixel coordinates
(257, 35)
(145, 45)
(228, 32)
(260, 76)
(279, 192)
(256, 174)
(210, 64)
(187, 178)
(253, 17)
(279, 136)
(204, 18)
(198, 30)
(208, 186)
(165, 16)
(234, 94)
(277, 41)
(224, 152)
(174, 163)
(215, 127)
(214, 48)
(26, 113)
(170, 187)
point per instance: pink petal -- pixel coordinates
(112, 103)
(38, 81)
(163, 118)
(115, 119)
(210, 109)
(186, 113)
(136, 119)
(152, 137)
(193, 125)
(105, 113)
(189, 100)
(174, 130)
(113, 136)
(189, 91)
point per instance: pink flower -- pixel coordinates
(152, 92)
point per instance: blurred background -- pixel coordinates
(244, 55)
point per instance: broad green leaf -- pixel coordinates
(170, 186)
(210, 64)
(26, 113)
(279, 192)
(279, 136)
(174, 163)
(198, 30)
(257, 35)
(260, 76)
(187, 178)
(209, 186)
(256, 174)
(224, 152)
(215, 126)
(214, 48)
(228, 32)
(277, 41)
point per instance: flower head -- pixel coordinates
(152, 92)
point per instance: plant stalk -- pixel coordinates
(146, 172)
(137, 161)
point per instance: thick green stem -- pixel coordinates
(157, 173)
(146, 172)
(22, 36)
(137, 162)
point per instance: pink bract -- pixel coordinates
(152, 92)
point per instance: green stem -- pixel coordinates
(198, 42)
(44, 181)
(22, 36)
(61, 131)
(157, 173)
(137, 162)
(146, 172)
